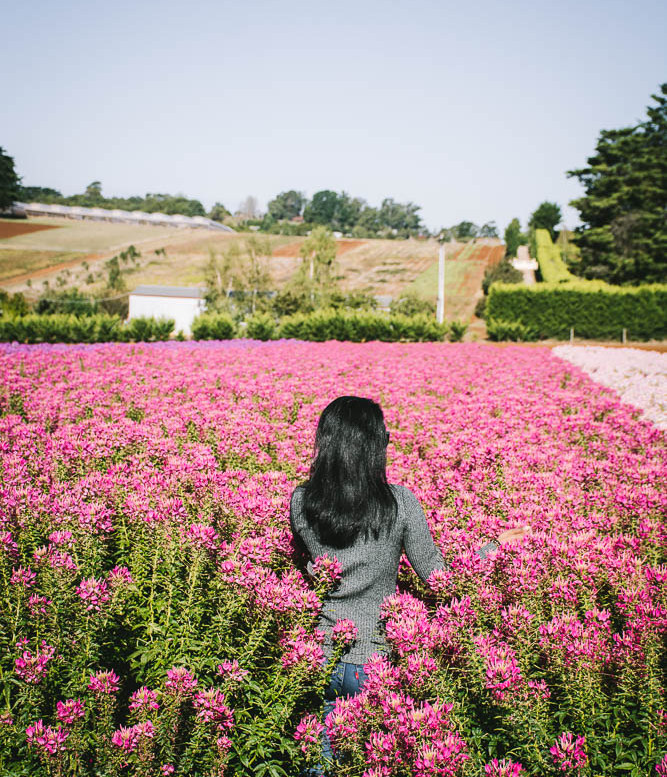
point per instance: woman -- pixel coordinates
(348, 510)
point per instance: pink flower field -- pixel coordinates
(156, 618)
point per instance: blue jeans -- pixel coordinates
(346, 680)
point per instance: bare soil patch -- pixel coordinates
(14, 228)
(342, 246)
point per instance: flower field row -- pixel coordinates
(156, 618)
(640, 377)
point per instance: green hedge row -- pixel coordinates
(100, 328)
(552, 267)
(355, 326)
(594, 309)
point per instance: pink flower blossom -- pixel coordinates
(180, 681)
(119, 577)
(46, 739)
(23, 577)
(302, 649)
(344, 632)
(211, 707)
(504, 768)
(308, 732)
(327, 570)
(68, 711)
(104, 682)
(33, 667)
(232, 671)
(93, 592)
(568, 753)
(144, 699)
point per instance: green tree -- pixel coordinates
(403, 218)
(287, 205)
(513, 237)
(322, 208)
(9, 181)
(623, 236)
(317, 273)
(465, 230)
(39, 194)
(489, 229)
(218, 212)
(93, 192)
(546, 216)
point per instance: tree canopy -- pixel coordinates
(287, 205)
(547, 216)
(9, 181)
(623, 236)
(513, 237)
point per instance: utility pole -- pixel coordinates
(440, 314)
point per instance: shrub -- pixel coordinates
(409, 304)
(261, 326)
(498, 330)
(145, 329)
(213, 326)
(65, 301)
(480, 307)
(100, 328)
(594, 309)
(552, 266)
(456, 331)
(503, 272)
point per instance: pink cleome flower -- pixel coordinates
(180, 681)
(327, 570)
(211, 708)
(68, 711)
(104, 682)
(302, 649)
(232, 671)
(32, 668)
(661, 767)
(23, 577)
(144, 699)
(504, 768)
(49, 740)
(128, 738)
(345, 632)
(93, 592)
(308, 732)
(568, 753)
(119, 576)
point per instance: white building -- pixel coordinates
(182, 303)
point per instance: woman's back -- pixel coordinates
(370, 569)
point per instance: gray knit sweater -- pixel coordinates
(370, 570)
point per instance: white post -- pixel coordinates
(571, 335)
(440, 313)
(625, 335)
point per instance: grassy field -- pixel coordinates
(74, 255)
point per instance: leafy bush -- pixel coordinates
(362, 326)
(65, 301)
(410, 304)
(13, 304)
(456, 331)
(594, 309)
(480, 307)
(213, 326)
(503, 272)
(552, 267)
(99, 328)
(498, 330)
(261, 326)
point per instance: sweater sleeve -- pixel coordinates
(421, 550)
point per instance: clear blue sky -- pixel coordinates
(474, 110)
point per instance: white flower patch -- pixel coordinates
(639, 377)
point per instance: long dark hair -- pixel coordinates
(347, 494)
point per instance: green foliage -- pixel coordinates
(498, 330)
(480, 307)
(287, 205)
(213, 326)
(318, 267)
(513, 237)
(288, 301)
(489, 229)
(594, 309)
(465, 230)
(39, 194)
(457, 330)
(218, 212)
(623, 237)
(238, 279)
(411, 304)
(354, 301)
(503, 272)
(552, 266)
(68, 328)
(9, 181)
(546, 216)
(361, 326)
(65, 301)
(261, 326)
(146, 330)
(13, 304)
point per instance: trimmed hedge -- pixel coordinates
(594, 309)
(363, 326)
(213, 326)
(552, 267)
(100, 328)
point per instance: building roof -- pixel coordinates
(192, 292)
